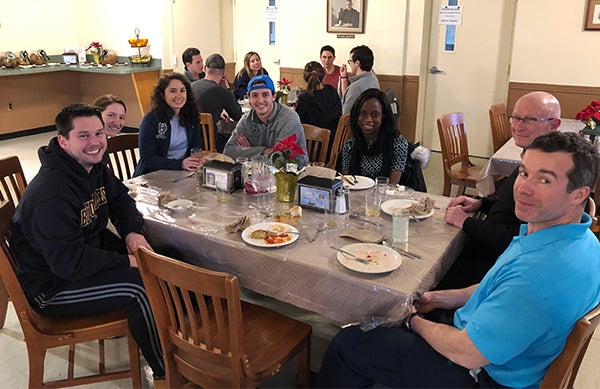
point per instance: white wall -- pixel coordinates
(37, 24)
(301, 32)
(550, 43)
(552, 47)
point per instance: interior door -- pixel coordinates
(474, 75)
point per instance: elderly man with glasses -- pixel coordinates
(534, 114)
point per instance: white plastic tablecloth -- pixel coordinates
(304, 274)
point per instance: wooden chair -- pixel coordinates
(12, 185)
(317, 142)
(455, 151)
(564, 368)
(501, 132)
(123, 155)
(208, 132)
(42, 333)
(227, 343)
(342, 134)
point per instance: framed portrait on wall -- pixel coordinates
(592, 15)
(346, 16)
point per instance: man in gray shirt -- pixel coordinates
(267, 123)
(361, 63)
(212, 95)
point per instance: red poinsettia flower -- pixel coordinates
(590, 113)
(285, 151)
(284, 84)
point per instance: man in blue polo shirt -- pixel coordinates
(510, 327)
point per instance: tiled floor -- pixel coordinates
(13, 355)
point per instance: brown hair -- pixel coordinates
(105, 100)
(313, 75)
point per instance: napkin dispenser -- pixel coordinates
(315, 192)
(218, 171)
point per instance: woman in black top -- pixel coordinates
(252, 67)
(320, 105)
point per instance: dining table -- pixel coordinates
(306, 272)
(504, 161)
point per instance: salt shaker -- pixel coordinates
(400, 226)
(342, 201)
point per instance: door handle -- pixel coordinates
(435, 70)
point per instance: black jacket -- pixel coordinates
(155, 140)
(488, 238)
(322, 109)
(59, 221)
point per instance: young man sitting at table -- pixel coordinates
(510, 327)
(68, 263)
(534, 114)
(212, 95)
(267, 123)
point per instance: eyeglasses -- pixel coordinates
(516, 119)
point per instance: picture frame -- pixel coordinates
(347, 16)
(592, 15)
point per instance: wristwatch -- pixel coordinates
(406, 322)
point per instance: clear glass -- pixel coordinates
(246, 167)
(381, 184)
(331, 214)
(373, 203)
(222, 190)
(400, 226)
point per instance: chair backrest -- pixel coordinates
(12, 179)
(123, 154)
(564, 368)
(8, 268)
(317, 142)
(394, 104)
(213, 335)
(501, 132)
(208, 131)
(342, 134)
(453, 140)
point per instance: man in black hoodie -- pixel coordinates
(69, 264)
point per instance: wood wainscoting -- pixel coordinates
(572, 98)
(406, 89)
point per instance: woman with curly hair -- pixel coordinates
(252, 67)
(320, 105)
(376, 147)
(171, 129)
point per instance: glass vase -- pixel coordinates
(286, 186)
(96, 58)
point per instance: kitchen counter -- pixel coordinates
(32, 96)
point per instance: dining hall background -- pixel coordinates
(504, 48)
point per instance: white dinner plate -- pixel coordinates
(383, 259)
(269, 226)
(363, 182)
(391, 205)
(179, 205)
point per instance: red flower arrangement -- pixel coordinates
(590, 115)
(96, 48)
(284, 85)
(285, 152)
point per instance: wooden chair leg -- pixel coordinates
(3, 303)
(461, 190)
(447, 187)
(134, 361)
(304, 365)
(37, 356)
